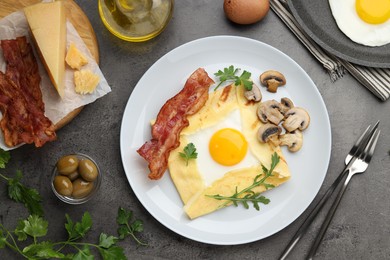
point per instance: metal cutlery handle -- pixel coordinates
(329, 217)
(305, 225)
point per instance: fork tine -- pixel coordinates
(364, 139)
(361, 142)
(369, 150)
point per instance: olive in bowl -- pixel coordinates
(76, 178)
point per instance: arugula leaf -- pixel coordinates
(20, 193)
(189, 153)
(229, 74)
(128, 228)
(248, 195)
(4, 158)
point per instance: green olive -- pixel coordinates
(88, 170)
(74, 175)
(67, 164)
(63, 185)
(81, 188)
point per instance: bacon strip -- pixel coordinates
(171, 119)
(21, 103)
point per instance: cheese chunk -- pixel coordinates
(85, 81)
(47, 22)
(74, 58)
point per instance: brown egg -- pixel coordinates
(246, 11)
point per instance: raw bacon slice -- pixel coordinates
(171, 119)
(21, 103)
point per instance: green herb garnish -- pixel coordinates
(17, 191)
(248, 195)
(189, 152)
(127, 228)
(35, 227)
(229, 74)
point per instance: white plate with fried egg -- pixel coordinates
(230, 225)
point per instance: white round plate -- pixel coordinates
(231, 225)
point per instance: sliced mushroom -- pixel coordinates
(253, 94)
(296, 118)
(272, 79)
(269, 111)
(293, 140)
(268, 130)
(285, 105)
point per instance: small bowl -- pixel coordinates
(70, 199)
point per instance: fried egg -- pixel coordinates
(229, 155)
(365, 22)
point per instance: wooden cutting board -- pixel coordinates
(80, 22)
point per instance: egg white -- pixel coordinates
(208, 168)
(349, 22)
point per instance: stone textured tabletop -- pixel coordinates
(361, 226)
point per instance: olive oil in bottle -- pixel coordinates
(136, 20)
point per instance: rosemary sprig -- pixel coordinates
(247, 195)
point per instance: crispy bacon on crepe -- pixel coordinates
(21, 103)
(171, 119)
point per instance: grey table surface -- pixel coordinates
(361, 227)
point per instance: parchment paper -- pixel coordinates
(15, 25)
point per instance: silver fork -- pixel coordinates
(356, 161)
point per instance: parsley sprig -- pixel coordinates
(127, 227)
(189, 152)
(34, 228)
(19, 192)
(247, 195)
(229, 74)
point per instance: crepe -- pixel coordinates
(191, 183)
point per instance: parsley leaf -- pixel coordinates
(128, 228)
(20, 193)
(189, 152)
(84, 254)
(114, 252)
(248, 195)
(4, 158)
(35, 226)
(229, 74)
(41, 250)
(79, 229)
(106, 241)
(3, 239)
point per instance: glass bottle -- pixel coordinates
(136, 20)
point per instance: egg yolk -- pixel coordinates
(373, 11)
(228, 146)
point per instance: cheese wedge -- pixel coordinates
(47, 22)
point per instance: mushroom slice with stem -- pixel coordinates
(269, 111)
(285, 105)
(272, 79)
(293, 140)
(267, 131)
(253, 94)
(296, 118)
